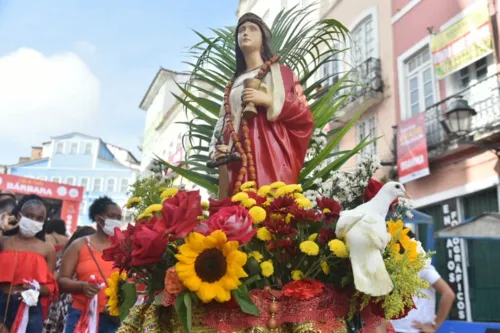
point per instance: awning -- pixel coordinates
(484, 226)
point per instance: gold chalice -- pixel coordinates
(250, 110)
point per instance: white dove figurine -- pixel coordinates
(365, 233)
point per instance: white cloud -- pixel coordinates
(43, 96)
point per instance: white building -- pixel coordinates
(163, 133)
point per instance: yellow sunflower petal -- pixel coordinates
(206, 293)
(230, 246)
(221, 294)
(193, 283)
(185, 260)
(229, 283)
(195, 241)
(188, 251)
(237, 257)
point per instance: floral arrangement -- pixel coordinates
(265, 257)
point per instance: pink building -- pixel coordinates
(444, 49)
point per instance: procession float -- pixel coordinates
(288, 242)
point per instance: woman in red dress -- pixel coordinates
(280, 132)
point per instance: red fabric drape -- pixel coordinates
(279, 147)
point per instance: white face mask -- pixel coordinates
(29, 227)
(110, 225)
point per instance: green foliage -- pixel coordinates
(149, 190)
(129, 294)
(305, 46)
(242, 297)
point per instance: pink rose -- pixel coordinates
(234, 221)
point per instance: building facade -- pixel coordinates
(444, 53)
(165, 126)
(79, 159)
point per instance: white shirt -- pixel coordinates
(426, 307)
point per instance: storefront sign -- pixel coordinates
(71, 196)
(455, 263)
(463, 42)
(412, 149)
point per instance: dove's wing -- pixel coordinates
(347, 219)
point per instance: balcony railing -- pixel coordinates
(484, 97)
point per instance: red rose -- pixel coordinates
(372, 189)
(303, 289)
(148, 245)
(120, 250)
(215, 205)
(179, 215)
(235, 222)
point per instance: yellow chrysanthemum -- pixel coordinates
(304, 203)
(298, 196)
(238, 197)
(153, 209)
(205, 205)
(144, 216)
(267, 202)
(132, 202)
(288, 218)
(276, 185)
(287, 189)
(297, 275)
(258, 214)
(325, 268)
(248, 203)
(256, 255)
(210, 265)
(113, 292)
(263, 234)
(248, 185)
(169, 192)
(264, 190)
(309, 247)
(250, 190)
(338, 248)
(267, 268)
(313, 237)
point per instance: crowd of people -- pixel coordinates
(36, 255)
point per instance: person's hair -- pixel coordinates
(6, 202)
(79, 233)
(99, 207)
(30, 199)
(265, 50)
(58, 226)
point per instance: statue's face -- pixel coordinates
(249, 37)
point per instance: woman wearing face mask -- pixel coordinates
(24, 257)
(83, 258)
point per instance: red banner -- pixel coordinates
(70, 195)
(412, 149)
(23, 185)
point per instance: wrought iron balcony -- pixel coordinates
(484, 97)
(364, 87)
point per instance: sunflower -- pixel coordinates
(398, 231)
(113, 292)
(210, 265)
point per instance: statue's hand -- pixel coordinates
(220, 151)
(256, 97)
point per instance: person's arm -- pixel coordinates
(447, 297)
(445, 303)
(67, 270)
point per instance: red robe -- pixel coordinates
(279, 147)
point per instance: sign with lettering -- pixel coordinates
(412, 149)
(70, 195)
(462, 43)
(455, 262)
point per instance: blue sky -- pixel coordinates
(69, 65)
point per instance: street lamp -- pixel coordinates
(458, 119)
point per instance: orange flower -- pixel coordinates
(172, 283)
